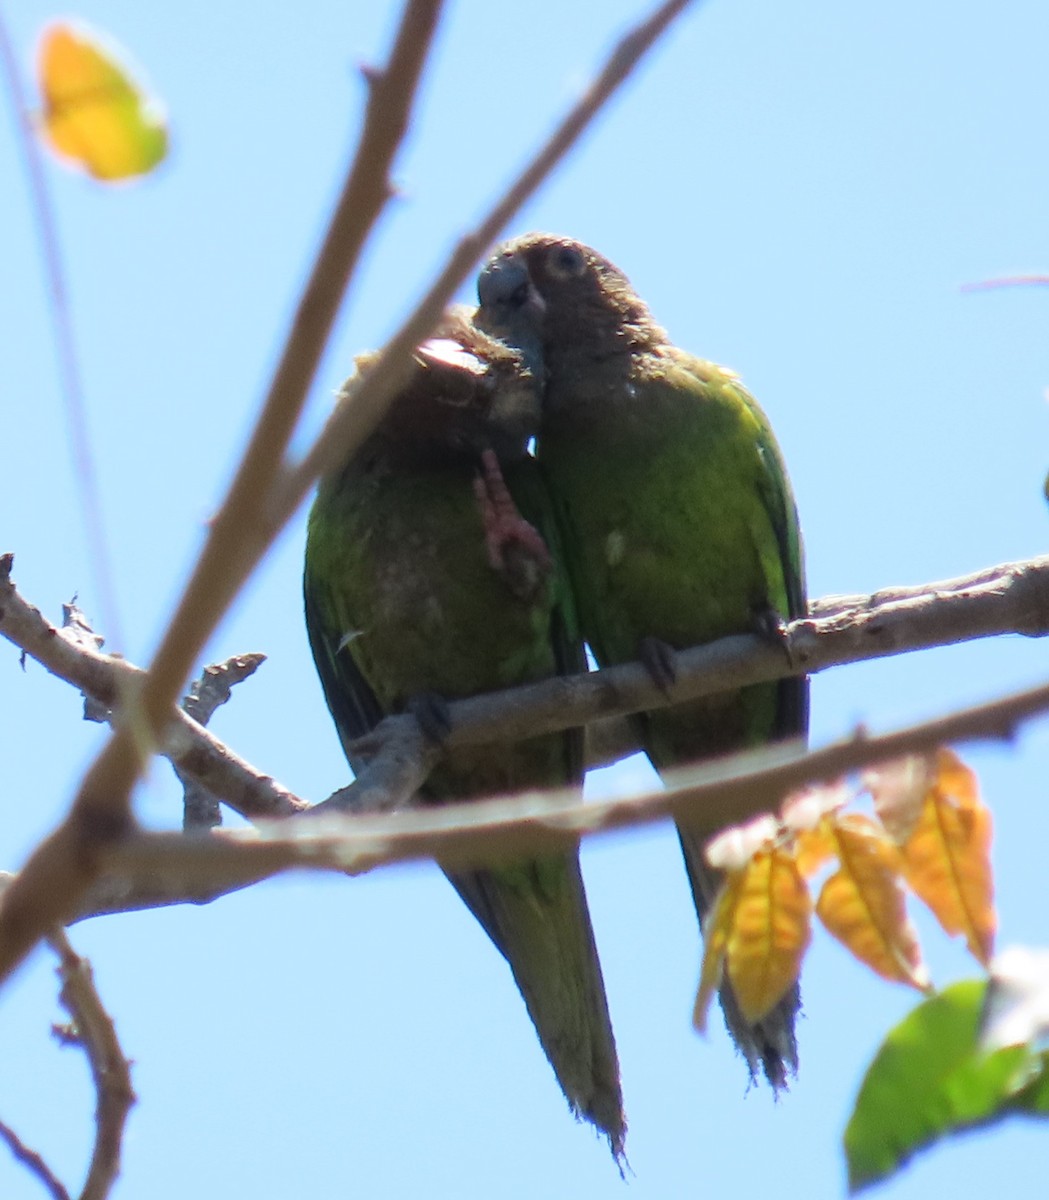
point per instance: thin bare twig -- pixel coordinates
(1007, 281)
(93, 1029)
(216, 684)
(73, 655)
(34, 1162)
(201, 808)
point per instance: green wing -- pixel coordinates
(778, 499)
(350, 700)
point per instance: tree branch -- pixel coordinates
(201, 808)
(1012, 598)
(93, 1029)
(107, 679)
(710, 796)
(34, 1162)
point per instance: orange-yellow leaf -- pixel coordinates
(814, 847)
(94, 112)
(863, 903)
(946, 859)
(898, 789)
(809, 816)
(769, 931)
(716, 929)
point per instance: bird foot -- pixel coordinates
(434, 717)
(770, 626)
(660, 660)
(515, 548)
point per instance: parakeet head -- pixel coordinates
(469, 392)
(554, 291)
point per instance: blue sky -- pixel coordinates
(798, 191)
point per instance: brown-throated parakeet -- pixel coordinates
(677, 520)
(420, 588)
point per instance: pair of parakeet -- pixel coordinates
(445, 559)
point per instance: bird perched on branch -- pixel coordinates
(677, 520)
(432, 573)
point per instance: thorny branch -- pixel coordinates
(265, 491)
(72, 653)
(201, 808)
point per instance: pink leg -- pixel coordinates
(507, 535)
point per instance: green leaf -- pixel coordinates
(930, 1079)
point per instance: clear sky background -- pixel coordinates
(798, 190)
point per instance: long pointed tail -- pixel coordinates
(536, 914)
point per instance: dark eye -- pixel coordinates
(566, 262)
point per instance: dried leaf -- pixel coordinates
(946, 859)
(898, 790)
(805, 809)
(863, 903)
(734, 847)
(95, 114)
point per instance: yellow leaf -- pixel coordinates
(768, 933)
(808, 814)
(863, 903)
(814, 847)
(946, 859)
(715, 939)
(94, 112)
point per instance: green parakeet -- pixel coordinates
(678, 522)
(432, 573)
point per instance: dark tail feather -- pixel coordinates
(536, 914)
(770, 1044)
